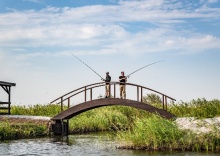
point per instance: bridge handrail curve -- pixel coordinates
(76, 90)
(82, 91)
(99, 84)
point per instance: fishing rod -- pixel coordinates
(87, 66)
(143, 68)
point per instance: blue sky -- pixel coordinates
(109, 35)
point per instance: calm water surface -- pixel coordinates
(90, 144)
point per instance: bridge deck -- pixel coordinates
(85, 106)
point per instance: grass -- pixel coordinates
(12, 130)
(96, 120)
(36, 110)
(200, 108)
(157, 133)
(105, 119)
(136, 129)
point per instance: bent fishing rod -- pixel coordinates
(87, 66)
(143, 68)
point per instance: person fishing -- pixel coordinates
(122, 80)
(107, 85)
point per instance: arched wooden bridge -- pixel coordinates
(61, 127)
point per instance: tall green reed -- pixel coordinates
(157, 133)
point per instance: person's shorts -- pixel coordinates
(107, 88)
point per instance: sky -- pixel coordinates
(37, 37)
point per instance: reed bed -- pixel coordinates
(157, 133)
(112, 118)
(200, 108)
(16, 130)
(36, 110)
(96, 120)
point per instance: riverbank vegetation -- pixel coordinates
(136, 129)
(156, 133)
(22, 128)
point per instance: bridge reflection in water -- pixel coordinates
(61, 120)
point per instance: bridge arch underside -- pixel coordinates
(85, 106)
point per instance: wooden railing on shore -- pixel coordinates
(5, 109)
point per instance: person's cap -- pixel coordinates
(107, 72)
(122, 72)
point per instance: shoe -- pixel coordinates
(105, 96)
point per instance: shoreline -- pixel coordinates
(20, 123)
(185, 123)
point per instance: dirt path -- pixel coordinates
(15, 119)
(199, 125)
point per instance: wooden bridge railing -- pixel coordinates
(68, 96)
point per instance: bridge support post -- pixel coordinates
(60, 127)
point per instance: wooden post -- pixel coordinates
(67, 127)
(141, 94)
(9, 100)
(61, 127)
(61, 103)
(114, 91)
(109, 89)
(166, 102)
(85, 94)
(68, 102)
(163, 101)
(91, 94)
(137, 93)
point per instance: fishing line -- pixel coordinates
(87, 65)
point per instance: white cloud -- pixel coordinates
(34, 45)
(102, 27)
(34, 1)
(212, 1)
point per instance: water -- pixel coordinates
(90, 144)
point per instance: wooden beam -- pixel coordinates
(6, 89)
(2, 83)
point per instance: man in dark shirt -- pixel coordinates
(107, 85)
(122, 80)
